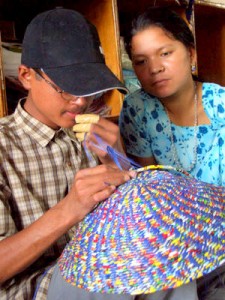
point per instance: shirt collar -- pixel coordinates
(40, 132)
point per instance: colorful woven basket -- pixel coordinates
(155, 232)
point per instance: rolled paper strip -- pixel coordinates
(80, 136)
(161, 167)
(82, 127)
(87, 118)
(157, 231)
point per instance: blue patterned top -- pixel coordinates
(144, 126)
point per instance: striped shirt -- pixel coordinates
(38, 165)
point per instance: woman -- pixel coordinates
(172, 119)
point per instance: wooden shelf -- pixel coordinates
(111, 16)
(104, 15)
(213, 3)
(210, 43)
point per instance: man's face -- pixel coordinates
(46, 104)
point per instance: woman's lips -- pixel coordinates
(160, 82)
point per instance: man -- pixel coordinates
(48, 183)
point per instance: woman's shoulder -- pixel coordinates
(140, 107)
(212, 89)
(140, 98)
(213, 98)
(141, 94)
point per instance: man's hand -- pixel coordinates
(109, 134)
(92, 186)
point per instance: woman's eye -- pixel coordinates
(139, 62)
(166, 53)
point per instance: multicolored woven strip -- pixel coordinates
(157, 231)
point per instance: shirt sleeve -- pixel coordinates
(213, 97)
(133, 126)
(7, 225)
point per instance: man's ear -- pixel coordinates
(25, 76)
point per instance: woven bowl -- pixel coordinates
(157, 231)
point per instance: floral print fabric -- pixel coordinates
(145, 128)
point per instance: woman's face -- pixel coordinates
(161, 63)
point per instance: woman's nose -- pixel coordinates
(155, 66)
(157, 69)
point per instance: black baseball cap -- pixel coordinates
(66, 46)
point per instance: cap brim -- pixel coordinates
(85, 79)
